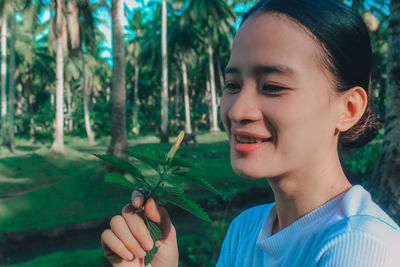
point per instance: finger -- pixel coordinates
(112, 245)
(121, 230)
(137, 199)
(159, 215)
(137, 227)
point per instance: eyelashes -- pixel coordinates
(231, 87)
(269, 89)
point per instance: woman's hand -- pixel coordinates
(126, 243)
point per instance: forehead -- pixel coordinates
(274, 39)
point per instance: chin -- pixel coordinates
(248, 171)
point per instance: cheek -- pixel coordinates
(296, 117)
(226, 104)
(305, 126)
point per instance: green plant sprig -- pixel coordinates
(171, 172)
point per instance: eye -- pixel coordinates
(272, 89)
(232, 87)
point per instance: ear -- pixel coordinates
(354, 102)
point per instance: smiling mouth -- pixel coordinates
(248, 140)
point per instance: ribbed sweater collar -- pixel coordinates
(276, 244)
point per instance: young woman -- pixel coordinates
(296, 89)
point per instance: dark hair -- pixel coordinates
(345, 42)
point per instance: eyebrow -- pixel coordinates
(265, 69)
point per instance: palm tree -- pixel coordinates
(8, 10)
(72, 73)
(385, 181)
(182, 41)
(134, 49)
(86, 93)
(59, 33)
(83, 34)
(164, 136)
(216, 18)
(11, 88)
(118, 132)
(3, 77)
(33, 69)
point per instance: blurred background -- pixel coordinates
(96, 76)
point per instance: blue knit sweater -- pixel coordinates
(348, 231)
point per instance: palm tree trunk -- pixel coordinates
(118, 100)
(214, 118)
(220, 74)
(385, 181)
(4, 79)
(11, 86)
(221, 80)
(31, 118)
(108, 94)
(188, 125)
(31, 97)
(85, 83)
(176, 98)
(164, 136)
(208, 99)
(136, 107)
(58, 144)
(88, 127)
(73, 24)
(69, 106)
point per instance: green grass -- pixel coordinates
(78, 258)
(71, 187)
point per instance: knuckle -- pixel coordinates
(116, 221)
(133, 246)
(119, 248)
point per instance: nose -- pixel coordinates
(245, 108)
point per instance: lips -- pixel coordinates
(246, 141)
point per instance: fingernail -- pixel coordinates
(141, 254)
(148, 244)
(129, 256)
(136, 196)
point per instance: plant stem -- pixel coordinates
(163, 174)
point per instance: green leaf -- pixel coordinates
(176, 196)
(150, 255)
(149, 158)
(118, 178)
(196, 179)
(182, 163)
(156, 235)
(124, 166)
(154, 230)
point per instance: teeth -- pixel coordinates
(247, 140)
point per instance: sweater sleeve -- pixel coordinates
(353, 249)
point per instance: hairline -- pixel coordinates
(323, 57)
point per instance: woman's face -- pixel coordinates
(279, 95)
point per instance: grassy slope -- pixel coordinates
(79, 193)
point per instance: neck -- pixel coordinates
(301, 191)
